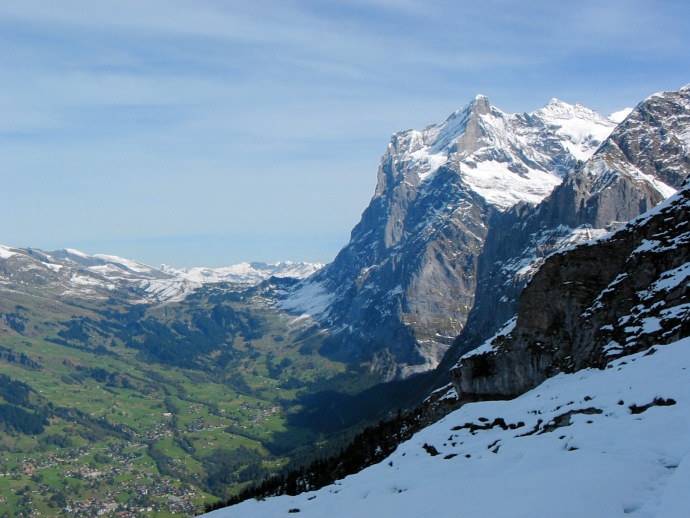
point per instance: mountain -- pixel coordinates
(590, 304)
(72, 273)
(165, 383)
(115, 374)
(399, 293)
(245, 273)
(644, 161)
(596, 365)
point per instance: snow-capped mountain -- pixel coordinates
(400, 291)
(72, 273)
(245, 273)
(643, 162)
(598, 364)
(506, 158)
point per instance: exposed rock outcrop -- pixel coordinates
(590, 304)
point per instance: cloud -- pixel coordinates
(170, 117)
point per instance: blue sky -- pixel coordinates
(204, 133)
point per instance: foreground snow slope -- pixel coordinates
(582, 444)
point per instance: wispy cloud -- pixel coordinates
(165, 117)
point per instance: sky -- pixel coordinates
(210, 132)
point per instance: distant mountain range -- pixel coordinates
(75, 273)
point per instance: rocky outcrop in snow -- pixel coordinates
(590, 304)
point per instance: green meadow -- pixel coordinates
(152, 410)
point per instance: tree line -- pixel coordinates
(371, 445)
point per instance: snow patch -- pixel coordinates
(501, 187)
(6, 252)
(311, 299)
(489, 346)
(669, 280)
(620, 115)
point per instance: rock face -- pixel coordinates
(590, 304)
(643, 161)
(401, 290)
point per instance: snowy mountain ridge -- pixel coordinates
(71, 272)
(506, 158)
(401, 291)
(245, 273)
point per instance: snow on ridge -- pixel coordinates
(583, 129)
(244, 273)
(77, 253)
(606, 173)
(489, 345)
(557, 110)
(592, 443)
(127, 263)
(620, 115)
(498, 154)
(669, 280)
(6, 252)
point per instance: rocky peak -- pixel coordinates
(400, 291)
(413, 155)
(655, 137)
(581, 129)
(481, 104)
(611, 188)
(560, 110)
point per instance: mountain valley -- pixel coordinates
(540, 256)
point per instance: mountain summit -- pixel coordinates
(578, 406)
(643, 162)
(401, 290)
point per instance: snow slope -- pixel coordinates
(596, 443)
